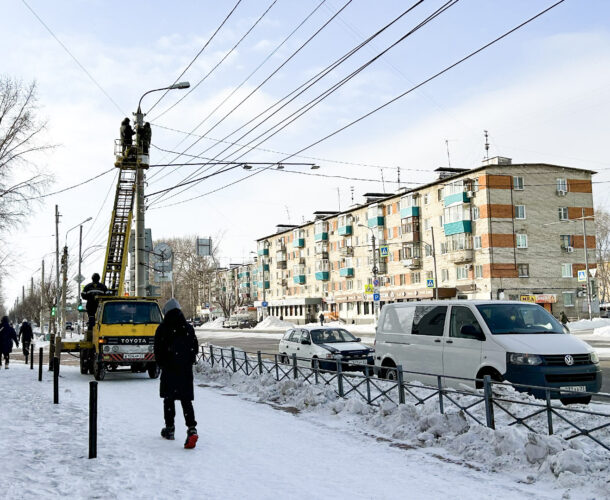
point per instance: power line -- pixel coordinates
(219, 62)
(424, 82)
(74, 186)
(198, 53)
(74, 58)
(236, 89)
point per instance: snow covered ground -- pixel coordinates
(260, 438)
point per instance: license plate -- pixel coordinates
(358, 362)
(573, 388)
(133, 356)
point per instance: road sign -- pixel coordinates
(430, 283)
(376, 297)
(368, 289)
(582, 275)
(376, 282)
(79, 278)
(383, 250)
(264, 304)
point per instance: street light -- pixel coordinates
(433, 248)
(375, 269)
(65, 263)
(140, 242)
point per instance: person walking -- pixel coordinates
(7, 337)
(321, 319)
(176, 350)
(563, 318)
(90, 293)
(25, 337)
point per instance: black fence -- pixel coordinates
(496, 403)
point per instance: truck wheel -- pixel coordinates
(84, 361)
(99, 370)
(153, 370)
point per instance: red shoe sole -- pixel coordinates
(191, 441)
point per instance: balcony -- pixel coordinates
(409, 212)
(298, 243)
(376, 221)
(301, 261)
(282, 282)
(462, 226)
(259, 284)
(280, 257)
(321, 236)
(263, 251)
(244, 285)
(346, 230)
(322, 275)
(245, 274)
(346, 272)
(322, 254)
(461, 197)
(263, 267)
(412, 263)
(347, 250)
(411, 237)
(460, 256)
(299, 279)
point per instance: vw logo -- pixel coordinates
(569, 360)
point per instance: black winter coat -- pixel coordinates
(25, 333)
(176, 349)
(90, 293)
(7, 337)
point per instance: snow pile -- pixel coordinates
(585, 324)
(603, 331)
(273, 323)
(212, 325)
(530, 457)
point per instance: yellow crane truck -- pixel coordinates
(124, 329)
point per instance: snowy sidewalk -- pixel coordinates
(246, 449)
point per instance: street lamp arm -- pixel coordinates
(179, 85)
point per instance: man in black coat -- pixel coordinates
(7, 337)
(175, 352)
(126, 136)
(25, 337)
(90, 293)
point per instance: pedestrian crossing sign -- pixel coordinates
(369, 289)
(430, 283)
(383, 251)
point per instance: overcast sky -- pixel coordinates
(542, 93)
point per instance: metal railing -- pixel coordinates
(479, 405)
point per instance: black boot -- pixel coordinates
(191, 438)
(168, 432)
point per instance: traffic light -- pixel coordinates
(81, 308)
(53, 311)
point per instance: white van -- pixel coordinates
(508, 340)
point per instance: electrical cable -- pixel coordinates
(424, 82)
(198, 53)
(192, 89)
(74, 186)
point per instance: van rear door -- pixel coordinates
(425, 354)
(461, 352)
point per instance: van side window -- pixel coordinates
(287, 335)
(295, 337)
(398, 319)
(461, 316)
(429, 320)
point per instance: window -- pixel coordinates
(563, 213)
(415, 277)
(429, 275)
(462, 272)
(131, 313)
(457, 213)
(427, 250)
(462, 316)
(524, 270)
(568, 299)
(519, 211)
(408, 201)
(402, 279)
(475, 185)
(477, 243)
(349, 284)
(444, 274)
(426, 199)
(478, 271)
(566, 270)
(566, 241)
(439, 194)
(441, 220)
(457, 242)
(521, 240)
(426, 224)
(562, 185)
(476, 213)
(518, 183)
(454, 188)
(429, 320)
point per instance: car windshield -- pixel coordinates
(131, 312)
(331, 336)
(519, 319)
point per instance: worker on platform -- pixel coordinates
(176, 350)
(126, 137)
(25, 337)
(91, 292)
(145, 137)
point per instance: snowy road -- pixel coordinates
(246, 450)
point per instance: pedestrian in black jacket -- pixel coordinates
(175, 352)
(91, 293)
(25, 337)
(7, 337)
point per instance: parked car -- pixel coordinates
(197, 322)
(507, 340)
(322, 344)
(69, 325)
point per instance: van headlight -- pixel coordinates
(594, 358)
(517, 358)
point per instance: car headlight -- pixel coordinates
(594, 358)
(115, 348)
(517, 358)
(330, 355)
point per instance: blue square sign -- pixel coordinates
(430, 283)
(376, 297)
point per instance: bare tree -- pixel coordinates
(602, 239)
(20, 144)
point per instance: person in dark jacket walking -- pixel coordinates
(7, 337)
(175, 352)
(25, 337)
(321, 319)
(126, 136)
(90, 293)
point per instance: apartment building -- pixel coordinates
(498, 231)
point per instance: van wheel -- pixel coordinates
(388, 374)
(493, 374)
(583, 400)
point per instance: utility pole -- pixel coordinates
(64, 286)
(56, 302)
(375, 271)
(584, 231)
(79, 278)
(139, 214)
(434, 260)
(42, 301)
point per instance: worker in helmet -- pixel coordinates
(126, 136)
(91, 292)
